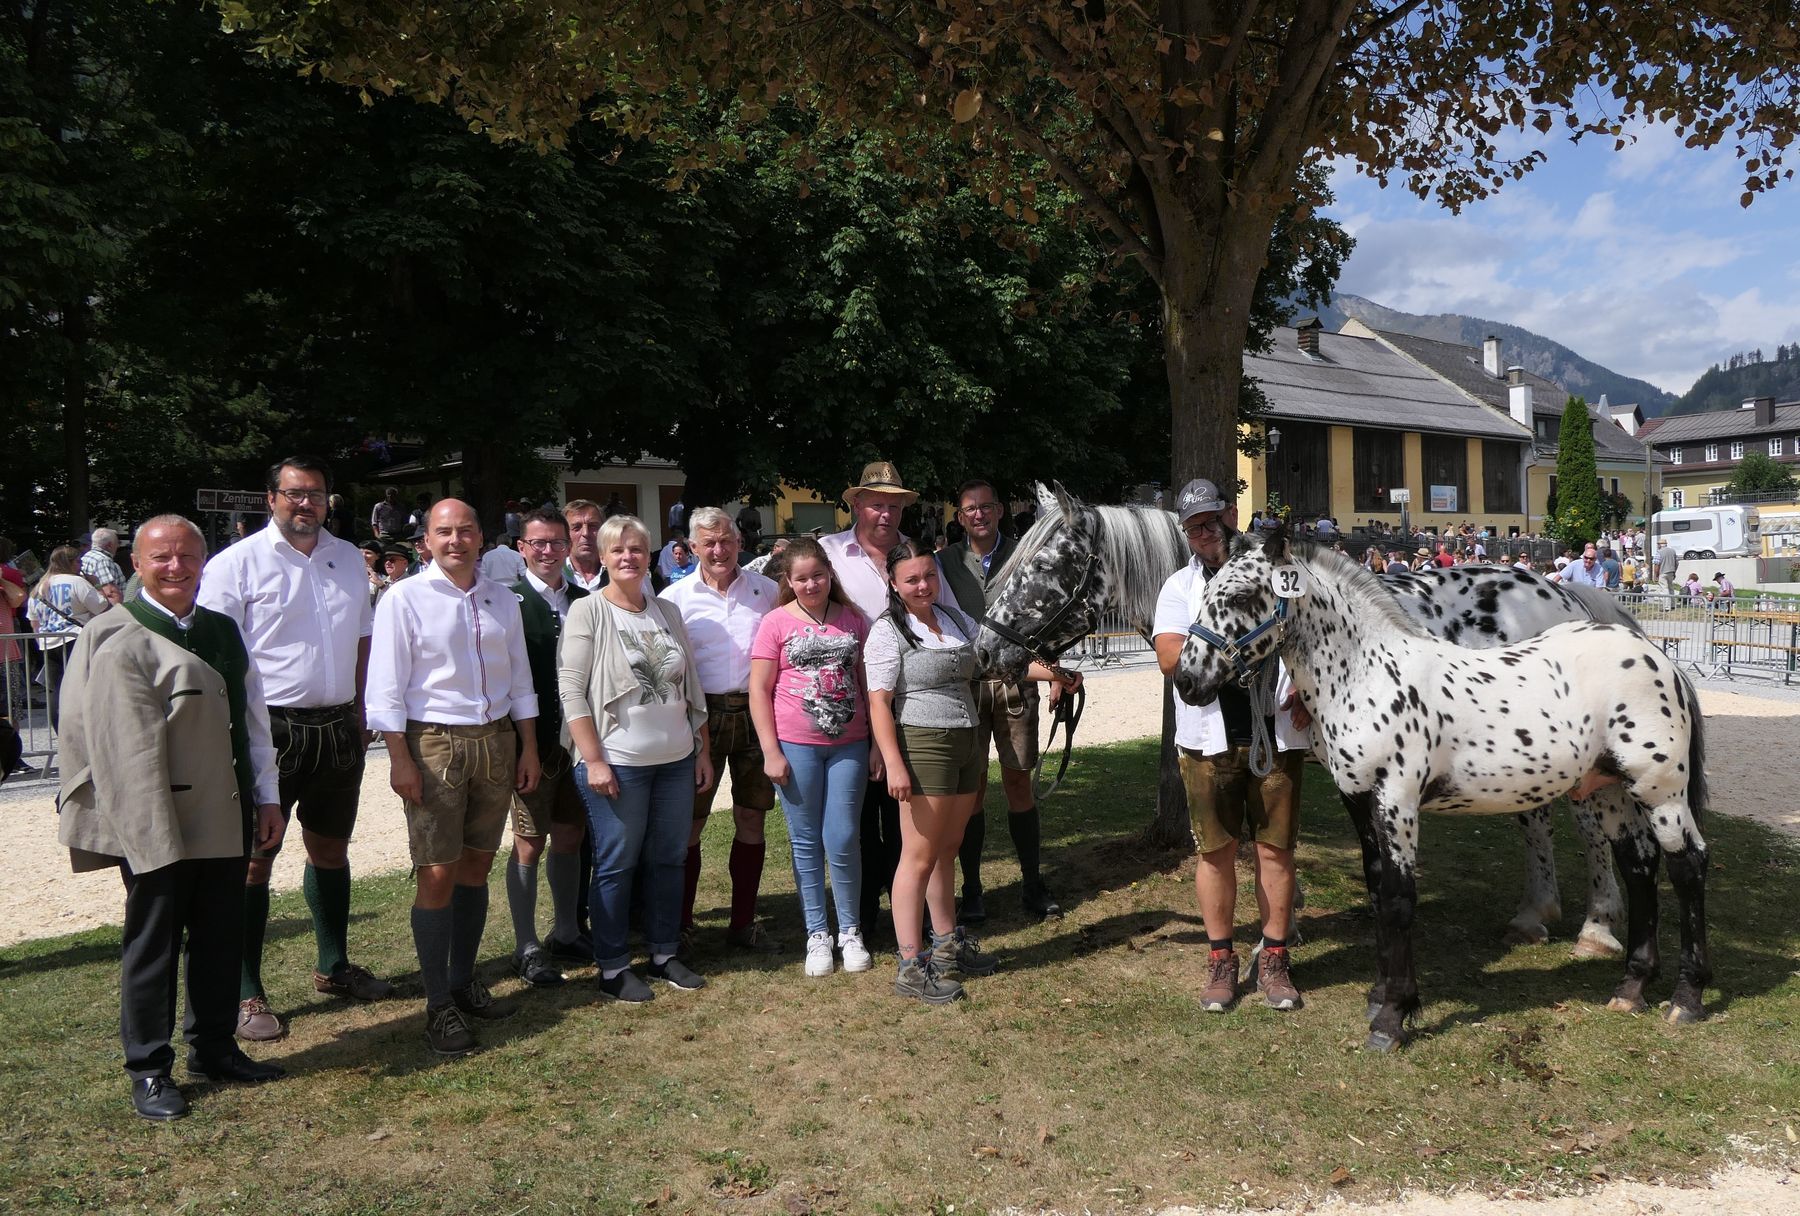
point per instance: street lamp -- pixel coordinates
(1274, 438)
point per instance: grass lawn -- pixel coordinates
(1084, 1075)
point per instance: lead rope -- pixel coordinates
(1262, 709)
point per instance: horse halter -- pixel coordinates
(1236, 649)
(1031, 643)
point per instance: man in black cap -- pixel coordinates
(1224, 797)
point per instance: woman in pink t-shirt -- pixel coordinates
(809, 701)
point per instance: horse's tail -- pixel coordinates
(1697, 792)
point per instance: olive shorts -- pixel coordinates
(554, 801)
(1222, 794)
(466, 778)
(733, 745)
(943, 760)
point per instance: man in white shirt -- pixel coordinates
(449, 688)
(554, 809)
(584, 568)
(502, 563)
(1223, 796)
(859, 563)
(721, 607)
(299, 596)
(1588, 571)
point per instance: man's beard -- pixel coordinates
(295, 526)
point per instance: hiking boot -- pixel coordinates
(753, 938)
(1037, 901)
(257, 1023)
(1221, 989)
(1272, 978)
(962, 954)
(919, 979)
(475, 1001)
(856, 954)
(352, 981)
(447, 1031)
(818, 954)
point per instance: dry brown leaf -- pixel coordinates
(1045, 1135)
(986, 1150)
(966, 106)
(1339, 1176)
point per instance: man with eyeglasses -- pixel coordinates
(1588, 571)
(1006, 713)
(300, 597)
(554, 808)
(1223, 796)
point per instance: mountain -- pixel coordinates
(1741, 378)
(1531, 351)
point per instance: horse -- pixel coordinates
(1408, 722)
(1078, 561)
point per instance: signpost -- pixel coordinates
(226, 501)
(1400, 498)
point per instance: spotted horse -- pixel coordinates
(1407, 722)
(1078, 562)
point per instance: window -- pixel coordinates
(1677, 500)
(1737, 450)
(1615, 485)
(1712, 452)
(1674, 455)
(1446, 461)
(1500, 477)
(1774, 447)
(1380, 462)
(1548, 428)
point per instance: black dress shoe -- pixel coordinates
(157, 1098)
(234, 1066)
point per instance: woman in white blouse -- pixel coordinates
(635, 716)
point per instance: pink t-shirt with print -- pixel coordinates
(818, 696)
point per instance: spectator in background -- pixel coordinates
(503, 563)
(614, 505)
(60, 605)
(100, 568)
(1614, 572)
(750, 525)
(339, 519)
(510, 521)
(665, 558)
(682, 561)
(418, 522)
(1588, 571)
(388, 519)
(1727, 592)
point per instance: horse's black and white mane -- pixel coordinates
(1138, 546)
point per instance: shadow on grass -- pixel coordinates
(102, 945)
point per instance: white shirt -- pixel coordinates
(265, 779)
(558, 599)
(448, 656)
(722, 626)
(586, 584)
(1201, 728)
(653, 726)
(862, 580)
(503, 564)
(301, 616)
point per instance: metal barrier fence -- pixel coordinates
(26, 700)
(1757, 637)
(1113, 643)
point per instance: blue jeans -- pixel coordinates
(823, 804)
(646, 825)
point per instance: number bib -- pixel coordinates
(1289, 582)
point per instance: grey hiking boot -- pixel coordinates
(919, 978)
(1221, 989)
(1273, 979)
(958, 952)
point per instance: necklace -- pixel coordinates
(819, 621)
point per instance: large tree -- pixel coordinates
(1759, 474)
(1182, 126)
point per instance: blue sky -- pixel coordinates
(1641, 260)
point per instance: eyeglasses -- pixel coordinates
(982, 508)
(1212, 527)
(546, 546)
(301, 497)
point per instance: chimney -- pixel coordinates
(1490, 356)
(1765, 410)
(1307, 332)
(1518, 397)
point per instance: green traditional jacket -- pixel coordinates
(962, 570)
(543, 638)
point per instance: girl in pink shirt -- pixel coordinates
(809, 701)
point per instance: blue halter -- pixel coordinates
(1234, 650)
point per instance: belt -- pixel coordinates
(727, 700)
(313, 715)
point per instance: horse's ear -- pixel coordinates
(1046, 500)
(1064, 502)
(1275, 543)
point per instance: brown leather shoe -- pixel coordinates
(354, 982)
(1221, 989)
(257, 1023)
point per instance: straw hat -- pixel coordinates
(1423, 551)
(881, 477)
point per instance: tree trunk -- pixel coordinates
(1170, 828)
(74, 415)
(483, 484)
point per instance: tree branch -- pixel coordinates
(1381, 25)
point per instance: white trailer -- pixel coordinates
(1708, 532)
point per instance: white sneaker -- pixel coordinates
(856, 955)
(818, 954)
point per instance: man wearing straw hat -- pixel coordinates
(859, 561)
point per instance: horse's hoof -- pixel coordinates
(1625, 1004)
(1382, 1043)
(1587, 946)
(1525, 935)
(1684, 1015)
